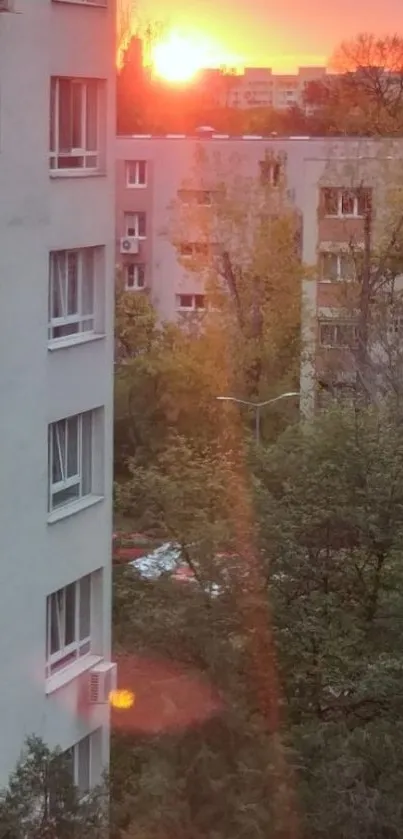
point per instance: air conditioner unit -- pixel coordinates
(102, 681)
(129, 245)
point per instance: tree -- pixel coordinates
(125, 17)
(324, 509)
(331, 508)
(373, 73)
(41, 801)
(238, 237)
(166, 382)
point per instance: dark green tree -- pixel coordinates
(42, 802)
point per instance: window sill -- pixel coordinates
(336, 281)
(344, 216)
(73, 508)
(97, 5)
(74, 341)
(63, 677)
(55, 174)
(136, 186)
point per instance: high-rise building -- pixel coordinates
(57, 176)
(328, 180)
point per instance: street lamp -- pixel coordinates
(258, 406)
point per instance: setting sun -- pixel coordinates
(179, 58)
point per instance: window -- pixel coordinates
(346, 203)
(270, 172)
(191, 302)
(136, 173)
(337, 266)
(135, 276)
(202, 197)
(337, 334)
(68, 625)
(193, 249)
(80, 759)
(86, 2)
(71, 293)
(74, 124)
(135, 225)
(70, 459)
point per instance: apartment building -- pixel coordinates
(328, 181)
(57, 176)
(259, 87)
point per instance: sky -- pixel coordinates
(282, 34)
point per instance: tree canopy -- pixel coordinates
(321, 563)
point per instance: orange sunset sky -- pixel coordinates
(278, 33)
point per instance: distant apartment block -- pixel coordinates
(259, 87)
(57, 179)
(322, 176)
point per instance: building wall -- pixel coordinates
(259, 87)
(40, 213)
(311, 165)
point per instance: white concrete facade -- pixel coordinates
(51, 541)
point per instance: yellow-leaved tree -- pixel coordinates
(238, 240)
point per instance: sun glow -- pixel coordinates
(179, 58)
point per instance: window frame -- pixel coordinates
(85, 322)
(193, 307)
(73, 755)
(338, 255)
(195, 250)
(103, 4)
(138, 267)
(137, 183)
(342, 192)
(337, 324)
(135, 216)
(78, 648)
(270, 173)
(83, 459)
(90, 158)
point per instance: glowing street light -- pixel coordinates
(121, 699)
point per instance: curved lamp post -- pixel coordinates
(258, 406)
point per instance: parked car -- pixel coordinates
(167, 559)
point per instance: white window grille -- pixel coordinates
(337, 266)
(136, 173)
(70, 459)
(103, 3)
(74, 124)
(80, 759)
(71, 293)
(68, 625)
(337, 334)
(136, 225)
(135, 276)
(346, 203)
(191, 302)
